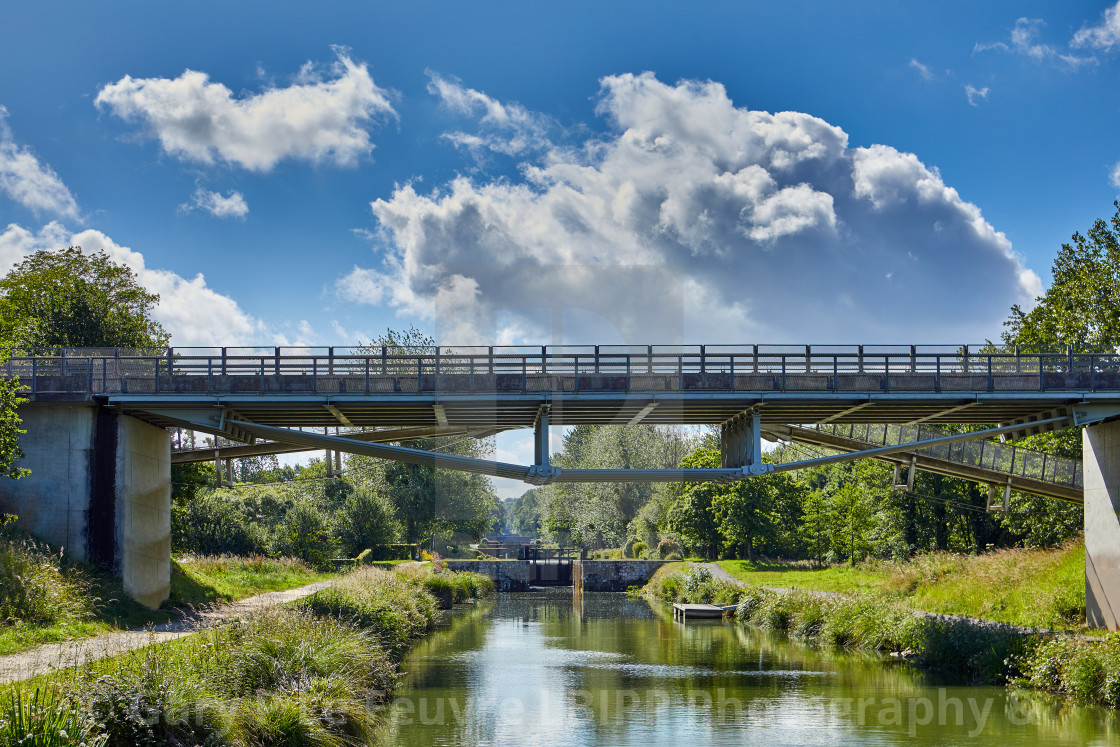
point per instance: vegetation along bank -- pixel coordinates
(1087, 670)
(317, 673)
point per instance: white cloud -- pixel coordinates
(232, 205)
(1025, 40)
(28, 181)
(1114, 177)
(923, 70)
(192, 312)
(321, 119)
(1105, 36)
(507, 128)
(976, 94)
(693, 218)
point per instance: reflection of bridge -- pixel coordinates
(106, 402)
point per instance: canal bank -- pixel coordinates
(541, 668)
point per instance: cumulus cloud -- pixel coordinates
(506, 128)
(322, 117)
(692, 218)
(192, 312)
(975, 95)
(232, 205)
(1105, 36)
(1114, 177)
(28, 181)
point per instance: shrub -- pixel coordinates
(984, 654)
(365, 556)
(215, 524)
(628, 548)
(365, 519)
(304, 534)
(667, 547)
(638, 548)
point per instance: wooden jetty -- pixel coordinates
(683, 612)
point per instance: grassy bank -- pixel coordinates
(980, 653)
(992, 586)
(45, 599)
(314, 675)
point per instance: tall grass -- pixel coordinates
(36, 588)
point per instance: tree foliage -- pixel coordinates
(10, 453)
(67, 298)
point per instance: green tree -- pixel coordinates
(693, 515)
(67, 298)
(364, 520)
(10, 453)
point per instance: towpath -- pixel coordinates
(52, 656)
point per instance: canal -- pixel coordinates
(532, 668)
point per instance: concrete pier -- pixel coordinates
(100, 488)
(1101, 452)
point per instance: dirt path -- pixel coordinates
(53, 656)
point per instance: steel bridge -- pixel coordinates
(278, 393)
(98, 443)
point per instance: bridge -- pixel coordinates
(112, 408)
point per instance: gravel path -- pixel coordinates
(53, 656)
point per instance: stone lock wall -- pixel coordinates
(508, 575)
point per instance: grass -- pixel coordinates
(47, 599)
(313, 675)
(1033, 588)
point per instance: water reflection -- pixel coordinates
(536, 669)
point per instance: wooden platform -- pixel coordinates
(698, 611)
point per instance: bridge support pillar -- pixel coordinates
(740, 441)
(100, 488)
(1101, 453)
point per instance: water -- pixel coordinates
(531, 669)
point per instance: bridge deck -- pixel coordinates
(505, 388)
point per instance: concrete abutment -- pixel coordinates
(1101, 454)
(100, 488)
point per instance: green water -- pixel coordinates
(531, 669)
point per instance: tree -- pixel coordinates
(365, 520)
(67, 298)
(693, 516)
(1082, 304)
(10, 453)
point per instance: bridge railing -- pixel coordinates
(646, 368)
(997, 457)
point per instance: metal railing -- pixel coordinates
(987, 455)
(650, 368)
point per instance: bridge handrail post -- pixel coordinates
(627, 372)
(783, 372)
(680, 373)
(1069, 356)
(991, 381)
(277, 360)
(104, 376)
(1092, 372)
(223, 361)
(157, 376)
(1043, 475)
(937, 375)
(702, 361)
(367, 374)
(524, 374)
(209, 375)
(330, 361)
(887, 372)
(315, 374)
(1018, 360)
(419, 374)
(490, 358)
(808, 359)
(170, 361)
(731, 384)
(835, 373)
(89, 374)
(596, 359)
(384, 362)
(754, 352)
(34, 376)
(262, 376)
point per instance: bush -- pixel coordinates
(304, 534)
(638, 548)
(667, 547)
(1086, 670)
(214, 523)
(365, 520)
(628, 548)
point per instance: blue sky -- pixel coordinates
(294, 173)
